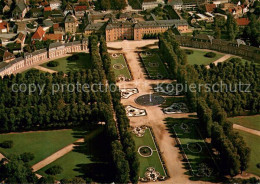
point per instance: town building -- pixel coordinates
(151, 4)
(6, 56)
(39, 34)
(68, 9)
(242, 21)
(55, 4)
(39, 55)
(94, 28)
(53, 37)
(192, 4)
(20, 10)
(134, 30)
(176, 4)
(80, 11)
(6, 8)
(210, 7)
(71, 24)
(4, 26)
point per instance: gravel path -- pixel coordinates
(55, 156)
(249, 130)
(45, 69)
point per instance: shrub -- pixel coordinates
(52, 64)
(258, 165)
(7, 144)
(56, 169)
(189, 52)
(210, 54)
(27, 156)
(73, 57)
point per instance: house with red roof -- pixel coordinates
(80, 10)
(54, 37)
(47, 9)
(39, 34)
(210, 7)
(242, 21)
(4, 26)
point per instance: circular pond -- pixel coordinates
(149, 100)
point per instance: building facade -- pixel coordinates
(133, 30)
(71, 24)
(55, 50)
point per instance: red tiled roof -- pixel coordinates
(3, 25)
(38, 33)
(210, 7)
(243, 21)
(53, 37)
(44, 3)
(80, 8)
(55, 26)
(48, 8)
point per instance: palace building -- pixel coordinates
(134, 30)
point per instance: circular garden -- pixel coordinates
(194, 147)
(145, 151)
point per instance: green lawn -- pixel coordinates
(252, 122)
(253, 141)
(122, 69)
(88, 160)
(198, 57)
(154, 65)
(42, 143)
(152, 161)
(190, 137)
(67, 66)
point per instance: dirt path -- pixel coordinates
(220, 60)
(45, 69)
(249, 130)
(55, 156)
(2, 156)
(155, 117)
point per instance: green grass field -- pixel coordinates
(252, 122)
(198, 57)
(154, 65)
(88, 160)
(122, 69)
(187, 132)
(42, 143)
(67, 66)
(253, 141)
(152, 161)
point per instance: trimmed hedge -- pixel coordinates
(52, 64)
(210, 54)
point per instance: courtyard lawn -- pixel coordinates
(154, 65)
(68, 66)
(41, 143)
(253, 141)
(154, 159)
(120, 67)
(88, 160)
(193, 146)
(252, 122)
(197, 57)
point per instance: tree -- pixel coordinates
(217, 33)
(16, 171)
(7, 144)
(56, 169)
(232, 27)
(27, 156)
